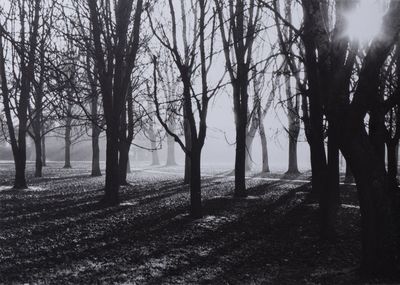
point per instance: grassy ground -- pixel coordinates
(56, 233)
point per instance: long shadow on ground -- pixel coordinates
(62, 236)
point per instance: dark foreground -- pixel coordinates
(56, 233)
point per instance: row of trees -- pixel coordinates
(120, 65)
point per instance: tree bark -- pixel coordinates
(95, 151)
(38, 159)
(67, 139)
(111, 196)
(330, 195)
(43, 142)
(20, 162)
(188, 144)
(240, 156)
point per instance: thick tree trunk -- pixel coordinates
(123, 162)
(95, 151)
(294, 130)
(188, 144)
(112, 172)
(240, 157)
(67, 139)
(38, 158)
(264, 147)
(20, 162)
(43, 142)
(195, 183)
(375, 201)
(318, 156)
(330, 195)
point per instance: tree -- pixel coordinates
(26, 50)
(115, 50)
(237, 40)
(185, 64)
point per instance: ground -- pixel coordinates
(56, 233)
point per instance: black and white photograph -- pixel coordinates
(199, 142)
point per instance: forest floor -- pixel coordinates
(56, 233)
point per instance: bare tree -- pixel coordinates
(26, 50)
(185, 64)
(116, 45)
(238, 38)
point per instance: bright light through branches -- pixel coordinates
(365, 20)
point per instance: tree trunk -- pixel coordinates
(38, 159)
(330, 195)
(188, 144)
(44, 159)
(95, 128)
(20, 162)
(317, 148)
(195, 183)
(375, 201)
(95, 151)
(240, 157)
(123, 162)
(112, 172)
(264, 147)
(67, 139)
(294, 130)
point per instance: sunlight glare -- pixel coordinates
(365, 21)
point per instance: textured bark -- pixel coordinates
(95, 151)
(38, 158)
(111, 196)
(43, 142)
(67, 147)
